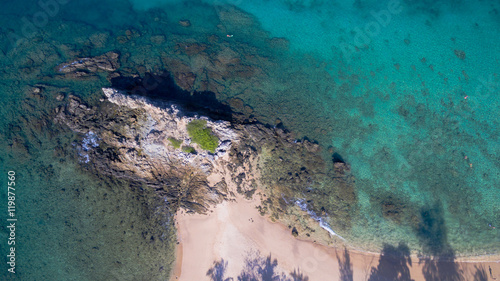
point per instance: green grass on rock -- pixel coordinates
(188, 149)
(202, 135)
(175, 142)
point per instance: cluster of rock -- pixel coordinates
(128, 137)
(139, 139)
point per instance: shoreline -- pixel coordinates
(462, 259)
(232, 229)
(177, 268)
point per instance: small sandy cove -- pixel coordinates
(232, 229)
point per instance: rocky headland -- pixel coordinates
(139, 129)
(163, 147)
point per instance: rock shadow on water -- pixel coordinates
(163, 87)
(256, 268)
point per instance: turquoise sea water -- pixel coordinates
(407, 92)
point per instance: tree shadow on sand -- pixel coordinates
(298, 276)
(394, 264)
(345, 266)
(480, 274)
(218, 271)
(439, 257)
(257, 268)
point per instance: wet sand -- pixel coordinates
(233, 229)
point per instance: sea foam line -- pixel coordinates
(322, 223)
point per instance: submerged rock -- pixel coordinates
(86, 66)
(460, 54)
(185, 23)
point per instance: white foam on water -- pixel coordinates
(322, 222)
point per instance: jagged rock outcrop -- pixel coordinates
(142, 140)
(130, 137)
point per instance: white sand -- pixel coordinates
(233, 229)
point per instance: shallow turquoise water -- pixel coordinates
(403, 109)
(400, 105)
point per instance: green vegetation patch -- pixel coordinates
(175, 142)
(188, 149)
(202, 135)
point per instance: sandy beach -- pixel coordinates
(234, 230)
